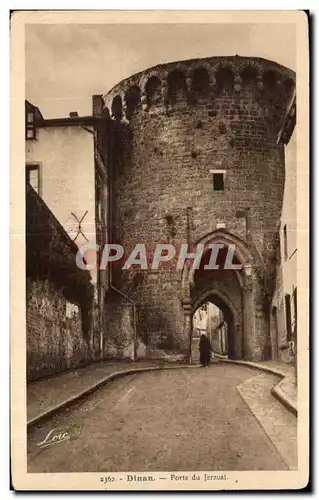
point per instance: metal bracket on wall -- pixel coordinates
(79, 221)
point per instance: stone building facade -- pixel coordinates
(195, 159)
(60, 164)
(284, 304)
(64, 167)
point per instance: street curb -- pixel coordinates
(279, 394)
(263, 368)
(54, 409)
(276, 391)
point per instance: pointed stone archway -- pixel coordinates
(242, 288)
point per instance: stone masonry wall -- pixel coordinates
(119, 336)
(54, 331)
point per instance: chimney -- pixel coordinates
(73, 114)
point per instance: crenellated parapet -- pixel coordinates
(188, 83)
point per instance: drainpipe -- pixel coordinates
(109, 223)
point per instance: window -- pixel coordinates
(218, 182)
(30, 132)
(33, 176)
(218, 179)
(285, 242)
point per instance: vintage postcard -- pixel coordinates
(159, 235)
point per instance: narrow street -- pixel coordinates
(185, 419)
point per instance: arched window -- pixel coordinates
(153, 90)
(117, 108)
(133, 97)
(225, 79)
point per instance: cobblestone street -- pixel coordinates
(198, 419)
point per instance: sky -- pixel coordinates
(66, 64)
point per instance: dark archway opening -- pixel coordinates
(214, 318)
(222, 287)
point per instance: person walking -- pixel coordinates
(205, 350)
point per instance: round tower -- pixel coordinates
(196, 160)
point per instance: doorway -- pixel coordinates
(275, 334)
(288, 318)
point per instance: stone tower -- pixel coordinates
(195, 160)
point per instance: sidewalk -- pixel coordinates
(45, 394)
(286, 389)
(288, 384)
